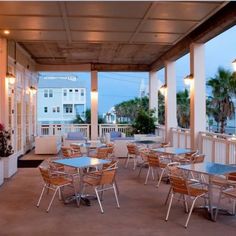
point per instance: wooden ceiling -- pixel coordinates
(110, 33)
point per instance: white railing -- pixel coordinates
(219, 148)
(63, 129)
(160, 131)
(180, 137)
(107, 128)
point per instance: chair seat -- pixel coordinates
(60, 181)
(91, 180)
(231, 192)
(195, 191)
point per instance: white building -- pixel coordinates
(60, 99)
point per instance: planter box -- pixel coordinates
(10, 165)
(1, 172)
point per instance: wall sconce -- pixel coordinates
(33, 89)
(11, 78)
(163, 89)
(188, 79)
(234, 65)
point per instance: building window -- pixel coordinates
(82, 93)
(50, 93)
(45, 109)
(70, 90)
(45, 93)
(76, 90)
(65, 92)
(68, 108)
(58, 109)
(54, 109)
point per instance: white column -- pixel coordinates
(153, 92)
(197, 93)
(94, 105)
(3, 83)
(170, 100)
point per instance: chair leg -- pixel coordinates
(127, 161)
(159, 181)
(152, 174)
(99, 201)
(117, 188)
(234, 204)
(170, 203)
(185, 203)
(146, 180)
(117, 200)
(218, 204)
(168, 195)
(190, 212)
(135, 162)
(49, 206)
(41, 195)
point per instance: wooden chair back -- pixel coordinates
(110, 147)
(76, 150)
(102, 153)
(163, 145)
(66, 151)
(55, 166)
(197, 158)
(232, 176)
(132, 149)
(107, 176)
(46, 174)
(153, 159)
(178, 184)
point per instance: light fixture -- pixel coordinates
(6, 32)
(163, 89)
(188, 79)
(234, 65)
(11, 78)
(33, 89)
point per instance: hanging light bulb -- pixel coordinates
(163, 89)
(234, 65)
(188, 79)
(11, 78)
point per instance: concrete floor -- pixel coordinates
(142, 211)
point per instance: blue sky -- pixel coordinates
(115, 87)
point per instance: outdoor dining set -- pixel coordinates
(189, 176)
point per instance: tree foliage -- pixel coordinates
(220, 105)
(183, 109)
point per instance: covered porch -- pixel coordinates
(98, 37)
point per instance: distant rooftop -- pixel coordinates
(70, 81)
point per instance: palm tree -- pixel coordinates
(223, 87)
(183, 109)
(161, 108)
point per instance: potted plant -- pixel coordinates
(6, 153)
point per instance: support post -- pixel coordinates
(197, 93)
(153, 92)
(170, 100)
(3, 83)
(94, 105)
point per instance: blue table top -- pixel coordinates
(81, 162)
(172, 150)
(210, 168)
(145, 141)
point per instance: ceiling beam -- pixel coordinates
(62, 6)
(119, 67)
(215, 25)
(141, 23)
(63, 68)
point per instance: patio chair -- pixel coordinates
(230, 193)
(163, 145)
(69, 152)
(110, 147)
(132, 153)
(156, 162)
(76, 150)
(55, 181)
(101, 153)
(102, 181)
(185, 187)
